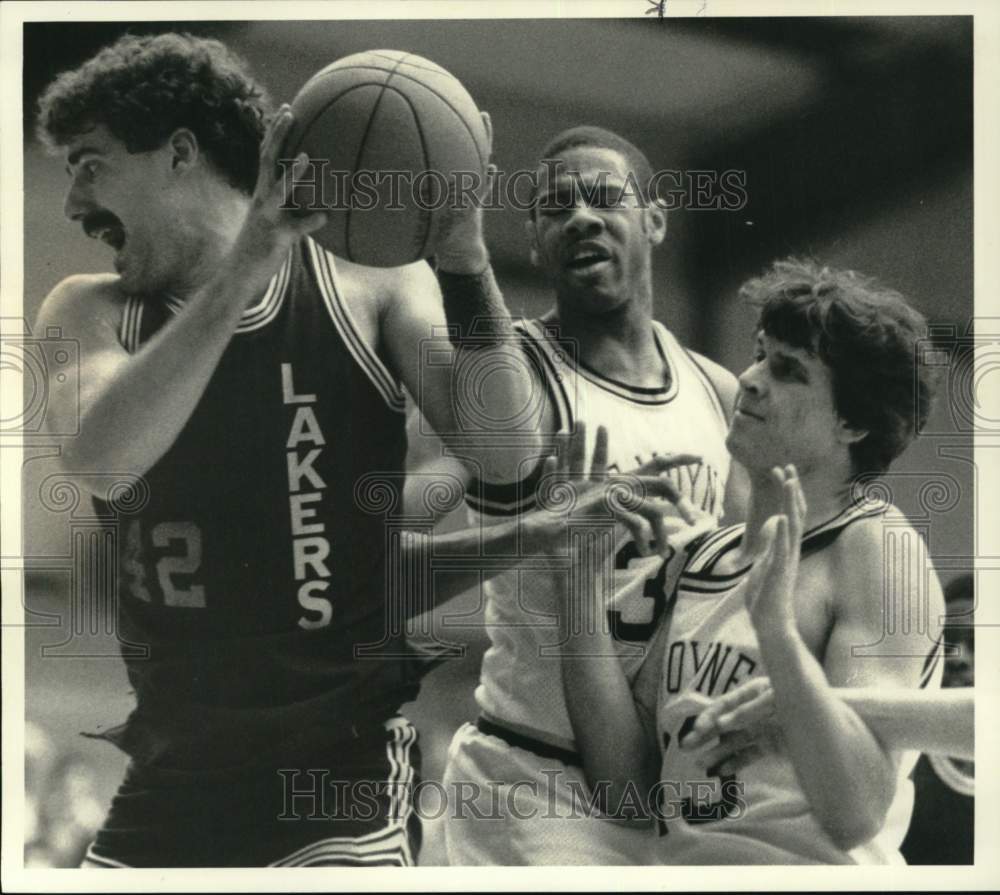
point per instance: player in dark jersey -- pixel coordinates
(241, 417)
(835, 394)
(942, 830)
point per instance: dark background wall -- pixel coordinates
(855, 136)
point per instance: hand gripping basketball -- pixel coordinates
(276, 181)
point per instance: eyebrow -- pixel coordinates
(562, 189)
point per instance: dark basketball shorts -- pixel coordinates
(349, 805)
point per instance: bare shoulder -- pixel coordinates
(83, 301)
(378, 288)
(884, 557)
(724, 382)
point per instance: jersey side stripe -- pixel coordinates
(401, 777)
(709, 387)
(537, 341)
(131, 324)
(391, 843)
(94, 858)
(388, 845)
(326, 279)
(931, 663)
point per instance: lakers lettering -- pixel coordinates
(310, 549)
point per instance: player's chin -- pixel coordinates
(742, 448)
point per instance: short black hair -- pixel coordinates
(867, 335)
(601, 138)
(143, 88)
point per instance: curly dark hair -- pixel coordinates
(867, 335)
(142, 88)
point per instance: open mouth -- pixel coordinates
(588, 258)
(107, 228)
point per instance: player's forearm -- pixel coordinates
(469, 557)
(132, 418)
(843, 770)
(936, 721)
(482, 333)
(618, 758)
(439, 567)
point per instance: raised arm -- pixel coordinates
(615, 733)
(848, 776)
(452, 341)
(133, 406)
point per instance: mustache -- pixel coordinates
(99, 220)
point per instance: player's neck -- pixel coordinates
(827, 495)
(211, 233)
(620, 344)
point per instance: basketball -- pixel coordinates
(387, 132)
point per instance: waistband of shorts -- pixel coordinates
(530, 744)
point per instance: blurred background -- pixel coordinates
(856, 138)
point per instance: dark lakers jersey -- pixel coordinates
(254, 563)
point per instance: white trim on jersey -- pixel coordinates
(699, 575)
(391, 844)
(325, 270)
(91, 858)
(251, 319)
(131, 324)
(539, 340)
(265, 310)
(707, 382)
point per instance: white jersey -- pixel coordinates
(761, 815)
(521, 681)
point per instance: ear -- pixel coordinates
(655, 220)
(184, 149)
(848, 435)
(532, 233)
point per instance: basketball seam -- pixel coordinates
(427, 163)
(357, 159)
(444, 101)
(436, 71)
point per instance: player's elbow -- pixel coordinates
(859, 816)
(849, 831)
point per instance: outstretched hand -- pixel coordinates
(770, 587)
(736, 729)
(647, 503)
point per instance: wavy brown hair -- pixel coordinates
(867, 335)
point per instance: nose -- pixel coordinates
(750, 380)
(77, 201)
(583, 221)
